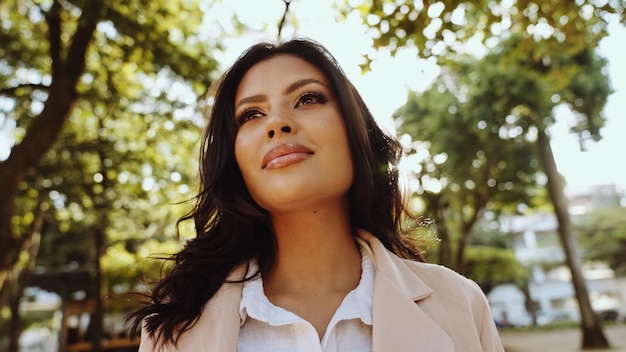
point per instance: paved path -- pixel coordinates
(559, 340)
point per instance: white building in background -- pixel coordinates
(537, 246)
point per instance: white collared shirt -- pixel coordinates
(266, 327)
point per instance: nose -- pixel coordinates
(280, 121)
(285, 129)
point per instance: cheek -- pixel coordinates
(246, 157)
(241, 156)
(342, 152)
(349, 162)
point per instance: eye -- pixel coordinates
(311, 98)
(247, 115)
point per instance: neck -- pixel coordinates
(316, 252)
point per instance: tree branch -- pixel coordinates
(282, 21)
(53, 18)
(80, 42)
(10, 91)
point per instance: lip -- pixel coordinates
(285, 154)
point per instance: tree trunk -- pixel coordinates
(15, 324)
(20, 278)
(99, 245)
(592, 334)
(445, 242)
(529, 303)
(466, 229)
(98, 314)
(460, 253)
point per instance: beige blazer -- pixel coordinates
(417, 307)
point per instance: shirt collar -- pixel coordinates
(358, 303)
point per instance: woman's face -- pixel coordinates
(291, 146)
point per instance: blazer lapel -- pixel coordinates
(399, 323)
(218, 326)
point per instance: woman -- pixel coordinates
(298, 243)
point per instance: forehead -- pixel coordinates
(276, 73)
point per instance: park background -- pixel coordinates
(99, 193)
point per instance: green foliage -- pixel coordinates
(475, 129)
(490, 266)
(470, 155)
(127, 153)
(602, 235)
(441, 28)
(488, 234)
(525, 81)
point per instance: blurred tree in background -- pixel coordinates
(603, 237)
(461, 170)
(534, 57)
(102, 100)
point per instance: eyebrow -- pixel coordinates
(301, 83)
(288, 90)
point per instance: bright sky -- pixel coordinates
(385, 88)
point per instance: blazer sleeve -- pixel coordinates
(148, 342)
(489, 336)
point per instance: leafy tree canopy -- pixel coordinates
(474, 132)
(602, 235)
(102, 98)
(490, 266)
(438, 28)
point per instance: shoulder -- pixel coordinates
(443, 280)
(418, 277)
(451, 292)
(437, 274)
(217, 326)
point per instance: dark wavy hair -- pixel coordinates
(231, 228)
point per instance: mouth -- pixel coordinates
(285, 154)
